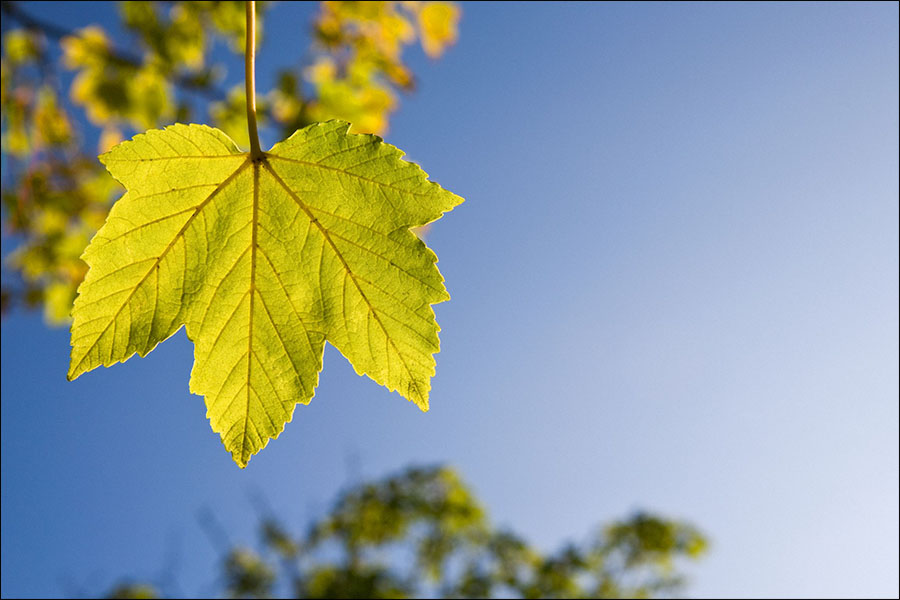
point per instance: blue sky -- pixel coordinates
(674, 287)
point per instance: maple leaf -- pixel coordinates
(263, 261)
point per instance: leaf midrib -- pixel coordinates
(250, 354)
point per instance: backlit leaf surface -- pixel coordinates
(262, 262)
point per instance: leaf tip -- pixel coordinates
(241, 458)
(420, 400)
(74, 372)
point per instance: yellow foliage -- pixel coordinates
(362, 45)
(113, 90)
(438, 26)
(20, 46)
(51, 123)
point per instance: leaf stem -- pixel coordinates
(250, 80)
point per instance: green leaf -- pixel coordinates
(263, 261)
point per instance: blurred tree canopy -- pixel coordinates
(423, 533)
(56, 194)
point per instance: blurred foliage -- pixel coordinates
(133, 591)
(423, 533)
(55, 194)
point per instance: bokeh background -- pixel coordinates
(674, 286)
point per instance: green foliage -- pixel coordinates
(423, 533)
(263, 261)
(163, 74)
(133, 591)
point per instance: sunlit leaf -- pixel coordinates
(263, 261)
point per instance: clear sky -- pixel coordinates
(674, 287)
